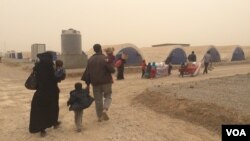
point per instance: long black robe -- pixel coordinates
(120, 70)
(44, 105)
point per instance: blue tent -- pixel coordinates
(215, 55)
(134, 57)
(238, 54)
(178, 56)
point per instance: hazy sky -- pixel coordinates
(141, 22)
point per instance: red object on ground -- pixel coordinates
(189, 69)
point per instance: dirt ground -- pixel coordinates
(134, 113)
(208, 103)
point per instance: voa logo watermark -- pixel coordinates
(236, 132)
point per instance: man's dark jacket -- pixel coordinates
(192, 57)
(98, 70)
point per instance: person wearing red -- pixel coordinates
(153, 70)
(119, 64)
(110, 55)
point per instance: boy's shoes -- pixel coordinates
(57, 125)
(105, 116)
(43, 133)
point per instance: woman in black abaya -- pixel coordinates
(44, 105)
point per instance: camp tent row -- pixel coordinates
(179, 53)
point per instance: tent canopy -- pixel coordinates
(238, 54)
(215, 55)
(178, 56)
(134, 57)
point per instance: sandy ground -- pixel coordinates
(131, 118)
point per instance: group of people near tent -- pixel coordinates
(207, 60)
(153, 70)
(193, 65)
(150, 70)
(118, 62)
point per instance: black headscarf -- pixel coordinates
(45, 56)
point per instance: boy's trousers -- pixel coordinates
(78, 118)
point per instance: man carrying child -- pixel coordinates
(98, 73)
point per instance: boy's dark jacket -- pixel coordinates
(79, 99)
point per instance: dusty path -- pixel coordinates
(128, 122)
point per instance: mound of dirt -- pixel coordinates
(208, 115)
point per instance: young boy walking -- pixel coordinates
(79, 100)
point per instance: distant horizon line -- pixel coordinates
(87, 49)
